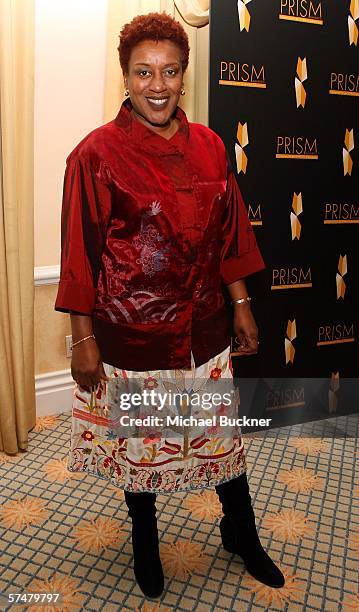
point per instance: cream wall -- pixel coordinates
(69, 93)
(51, 327)
(70, 50)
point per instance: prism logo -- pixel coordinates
(296, 147)
(255, 214)
(348, 147)
(302, 11)
(352, 22)
(342, 271)
(244, 15)
(340, 213)
(286, 397)
(301, 76)
(335, 333)
(237, 74)
(291, 277)
(242, 138)
(344, 84)
(334, 387)
(297, 209)
(291, 335)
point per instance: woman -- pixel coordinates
(153, 226)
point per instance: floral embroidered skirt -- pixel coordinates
(164, 441)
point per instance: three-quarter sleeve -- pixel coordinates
(86, 209)
(240, 255)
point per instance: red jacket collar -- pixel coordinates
(147, 138)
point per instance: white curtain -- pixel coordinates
(194, 12)
(17, 395)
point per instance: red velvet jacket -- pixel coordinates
(151, 229)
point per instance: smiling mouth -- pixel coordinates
(158, 102)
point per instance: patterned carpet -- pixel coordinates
(70, 533)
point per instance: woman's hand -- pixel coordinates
(245, 329)
(86, 364)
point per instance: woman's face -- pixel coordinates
(154, 80)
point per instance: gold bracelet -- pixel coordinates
(83, 340)
(242, 300)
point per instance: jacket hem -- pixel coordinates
(235, 268)
(74, 296)
(142, 349)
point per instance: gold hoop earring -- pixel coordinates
(183, 92)
(127, 93)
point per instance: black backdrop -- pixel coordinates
(303, 152)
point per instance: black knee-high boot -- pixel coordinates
(239, 533)
(146, 557)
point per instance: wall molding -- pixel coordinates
(54, 392)
(46, 275)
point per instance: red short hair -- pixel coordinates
(153, 26)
